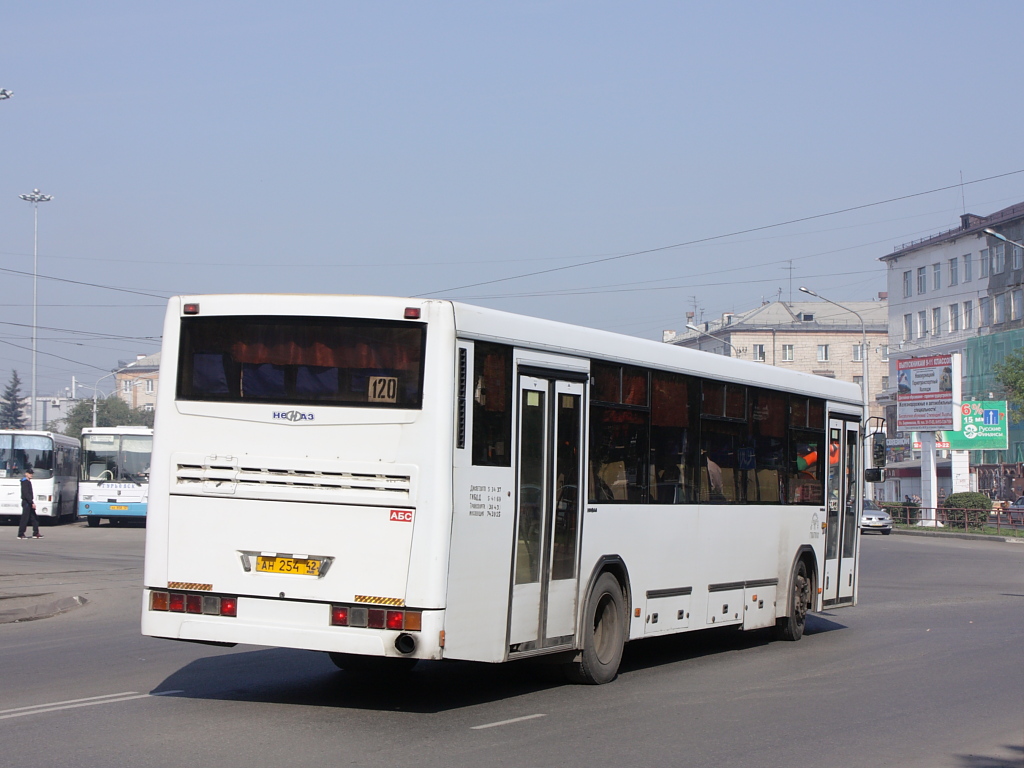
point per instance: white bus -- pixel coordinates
(390, 479)
(115, 473)
(54, 461)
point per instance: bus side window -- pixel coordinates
(492, 405)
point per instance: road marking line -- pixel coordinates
(110, 698)
(69, 701)
(506, 722)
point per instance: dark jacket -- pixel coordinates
(27, 497)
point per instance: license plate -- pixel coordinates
(288, 565)
(122, 508)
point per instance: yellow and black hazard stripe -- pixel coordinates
(379, 600)
(190, 585)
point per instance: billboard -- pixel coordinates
(927, 390)
(983, 428)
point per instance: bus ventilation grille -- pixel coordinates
(221, 478)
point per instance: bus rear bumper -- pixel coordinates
(291, 624)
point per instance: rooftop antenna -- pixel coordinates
(963, 200)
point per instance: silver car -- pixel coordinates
(874, 518)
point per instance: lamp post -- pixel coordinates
(692, 327)
(1005, 239)
(35, 197)
(863, 343)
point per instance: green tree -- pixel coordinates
(11, 414)
(110, 412)
(1010, 375)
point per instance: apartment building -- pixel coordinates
(137, 381)
(961, 291)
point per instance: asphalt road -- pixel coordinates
(927, 671)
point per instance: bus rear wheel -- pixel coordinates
(792, 626)
(93, 521)
(604, 634)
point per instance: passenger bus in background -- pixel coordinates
(390, 479)
(54, 460)
(115, 474)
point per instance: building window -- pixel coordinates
(936, 320)
(149, 386)
(922, 280)
(908, 284)
(885, 382)
(985, 307)
(1001, 308)
(858, 380)
(999, 259)
(936, 277)
(922, 324)
(1017, 304)
(823, 353)
(953, 276)
(147, 407)
(126, 385)
(1018, 257)
(759, 352)
(885, 353)
(908, 327)
(968, 315)
(858, 353)
(983, 263)
(787, 353)
(967, 267)
(954, 317)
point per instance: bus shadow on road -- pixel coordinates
(658, 651)
(308, 678)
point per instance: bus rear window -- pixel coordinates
(302, 360)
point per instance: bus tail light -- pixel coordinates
(181, 602)
(376, 618)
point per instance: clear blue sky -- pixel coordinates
(407, 148)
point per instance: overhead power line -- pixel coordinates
(718, 237)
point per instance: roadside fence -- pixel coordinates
(991, 522)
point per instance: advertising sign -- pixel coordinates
(983, 428)
(925, 393)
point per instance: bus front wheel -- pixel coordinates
(93, 521)
(604, 634)
(791, 627)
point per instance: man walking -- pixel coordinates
(28, 507)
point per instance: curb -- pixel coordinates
(15, 608)
(968, 536)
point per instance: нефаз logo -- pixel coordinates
(293, 416)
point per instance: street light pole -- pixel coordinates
(35, 197)
(863, 344)
(692, 327)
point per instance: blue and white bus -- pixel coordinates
(115, 473)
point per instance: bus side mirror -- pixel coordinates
(878, 449)
(874, 475)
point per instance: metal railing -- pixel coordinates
(991, 522)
